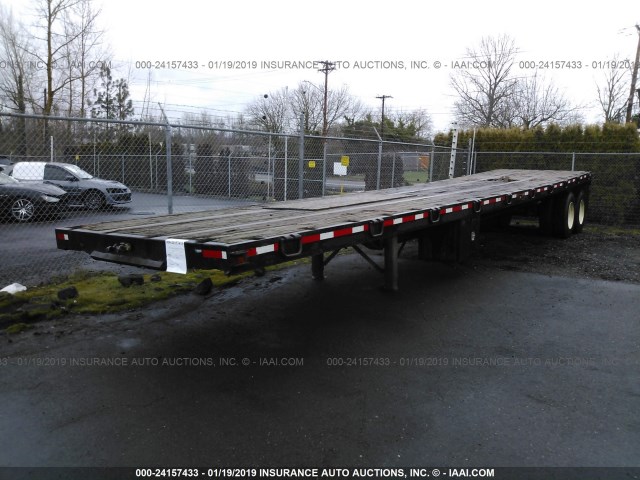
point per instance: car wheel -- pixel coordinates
(94, 200)
(23, 210)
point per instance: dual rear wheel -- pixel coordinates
(564, 215)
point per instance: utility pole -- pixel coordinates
(634, 77)
(327, 68)
(383, 98)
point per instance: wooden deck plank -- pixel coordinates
(258, 222)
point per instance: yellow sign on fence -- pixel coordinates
(312, 164)
(345, 160)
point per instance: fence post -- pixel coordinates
(122, 158)
(270, 178)
(393, 171)
(573, 162)
(324, 167)
(229, 175)
(169, 171)
(379, 165)
(150, 165)
(454, 145)
(301, 159)
(286, 164)
(431, 161)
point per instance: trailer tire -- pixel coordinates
(581, 211)
(564, 215)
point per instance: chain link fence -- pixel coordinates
(615, 191)
(69, 172)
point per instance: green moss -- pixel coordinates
(17, 328)
(102, 293)
(611, 230)
(99, 293)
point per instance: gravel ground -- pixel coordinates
(597, 253)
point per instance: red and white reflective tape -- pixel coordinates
(62, 236)
(216, 254)
(491, 201)
(406, 219)
(456, 208)
(341, 232)
(252, 252)
(542, 189)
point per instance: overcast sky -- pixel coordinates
(399, 32)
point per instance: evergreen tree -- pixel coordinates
(112, 101)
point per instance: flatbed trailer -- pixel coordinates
(443, 216)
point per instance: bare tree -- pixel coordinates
(536, 102)
(308, 99)
(56, 37)
(16, 79)
(419, 120)
(612, 92)
(280, 111)
(84, 56)
(483, 82)
(270, 111)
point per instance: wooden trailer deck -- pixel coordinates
(252, 237)
(258, 222)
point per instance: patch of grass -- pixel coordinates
(612, 230)
(99, 293)
(17, 328)
(102, 293)
(416, 177)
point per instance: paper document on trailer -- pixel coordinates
(176, 256)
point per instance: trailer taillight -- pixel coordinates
(62, 236)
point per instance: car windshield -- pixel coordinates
(6, 179)
(78, 172)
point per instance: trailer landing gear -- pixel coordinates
(390, 270)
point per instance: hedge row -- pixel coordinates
(615, 192)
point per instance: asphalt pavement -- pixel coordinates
(29, 254)
(462, 367)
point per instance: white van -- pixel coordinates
(83, 189)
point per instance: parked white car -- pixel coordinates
(82, 188)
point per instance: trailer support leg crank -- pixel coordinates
(317, 266)
(318, 262)
(391, 263)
